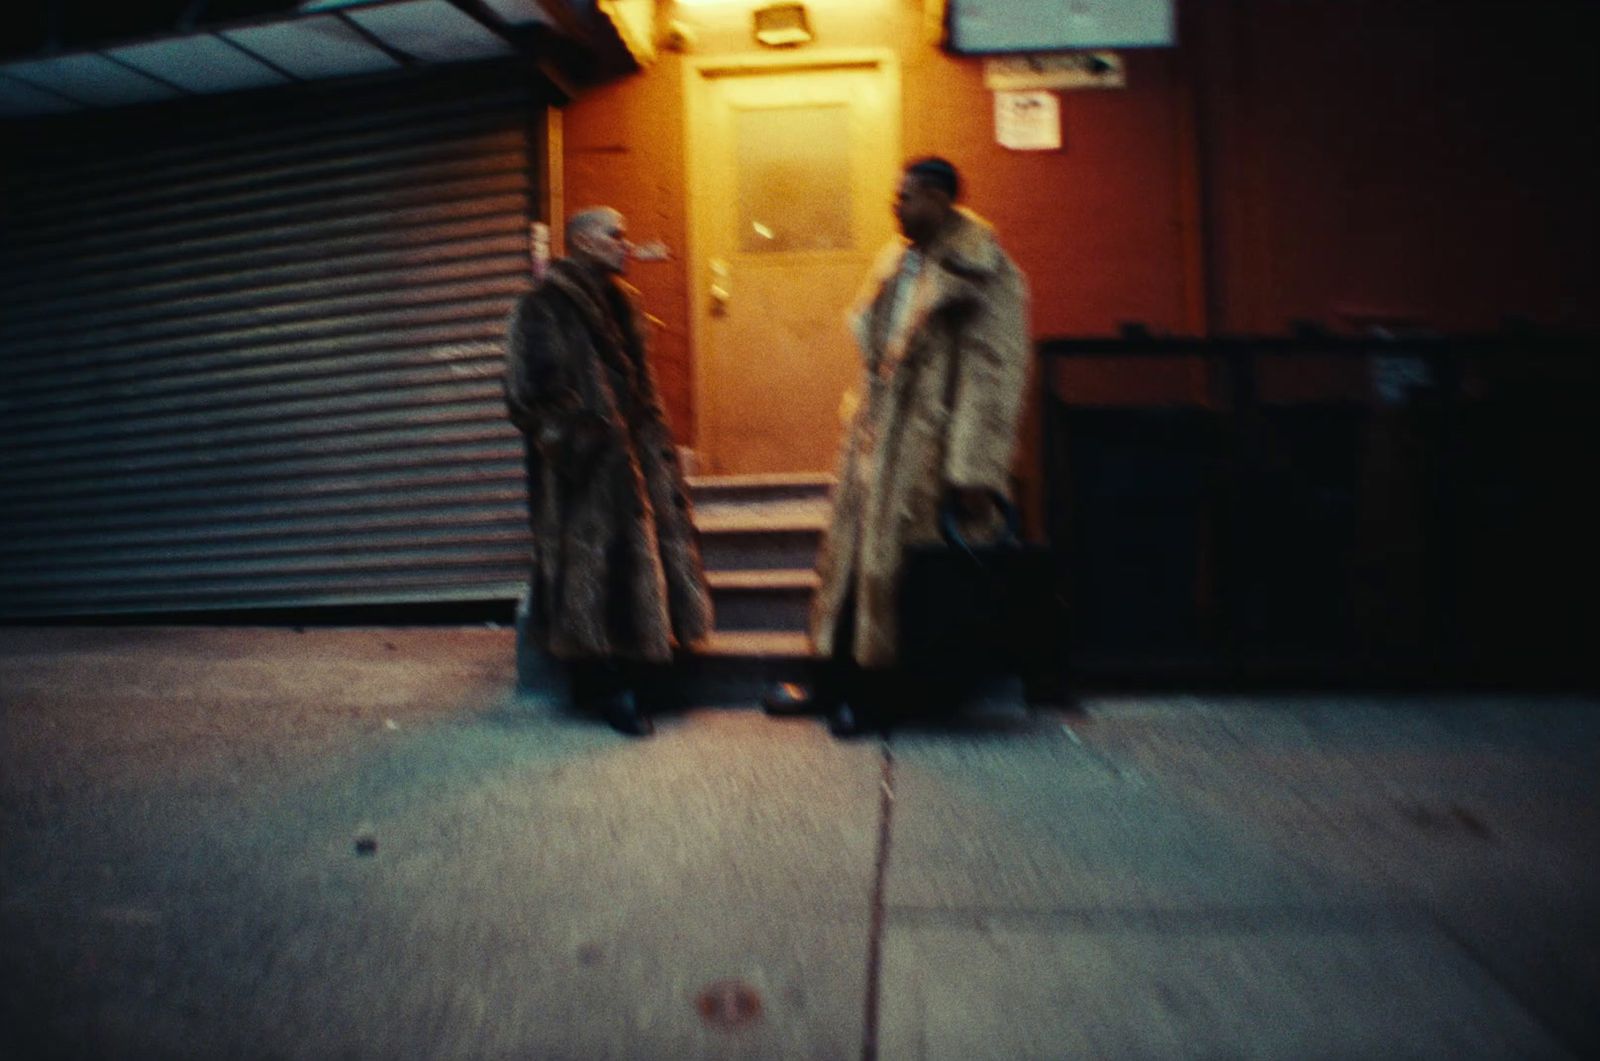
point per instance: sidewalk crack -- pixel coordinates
(869, 1040)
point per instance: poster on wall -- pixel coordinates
(1027, 121)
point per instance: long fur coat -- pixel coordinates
(616, 564)
(941, 409)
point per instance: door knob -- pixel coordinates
(720, 290)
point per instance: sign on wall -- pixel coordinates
(1027, 121)
(1059, 70)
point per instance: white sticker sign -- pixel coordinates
(1027, 121)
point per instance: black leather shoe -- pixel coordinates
(621, 712)
(790, 698)
(844, 721)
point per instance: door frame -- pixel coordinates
(697, 75)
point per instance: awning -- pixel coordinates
(60, 58)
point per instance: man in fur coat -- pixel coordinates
(617, 577)
(942, 327)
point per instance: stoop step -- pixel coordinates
(762, 600)
(759, 536)
(733, 669)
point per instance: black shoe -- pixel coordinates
(621, 712)
(844, 721)
(791, 698)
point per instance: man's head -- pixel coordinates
(598, 238)
(928, 192)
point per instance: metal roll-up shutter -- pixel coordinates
(250, 350)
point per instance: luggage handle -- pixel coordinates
(949, 526)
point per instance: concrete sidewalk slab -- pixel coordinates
(1041, 990)
(1038, 821)
(1480, 812)
(1175, 876)
(1208, 878)
(540, 887)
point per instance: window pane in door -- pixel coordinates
(794, 178)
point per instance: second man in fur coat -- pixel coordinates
(942, 326)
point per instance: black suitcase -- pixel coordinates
(974, 611)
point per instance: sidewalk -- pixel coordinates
(361, 843)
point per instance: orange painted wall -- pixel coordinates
(1097, 227)
(1324, 160)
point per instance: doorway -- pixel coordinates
(792, 167)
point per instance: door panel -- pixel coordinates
(791, 180)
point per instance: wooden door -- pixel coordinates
(792, 171)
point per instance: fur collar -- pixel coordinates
(963, 259)
(606, 305)
(967, 247)
(583, 288)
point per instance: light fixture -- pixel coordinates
(782, 25)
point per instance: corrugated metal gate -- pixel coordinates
(250, 351)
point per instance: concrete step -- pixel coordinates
(760, 548)
(733, 503)
(761, 522)
(734, 669)
(759, 536)
(809, 514)
(720, 489)
(748, 645)
(728, 669)
(770, 599)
